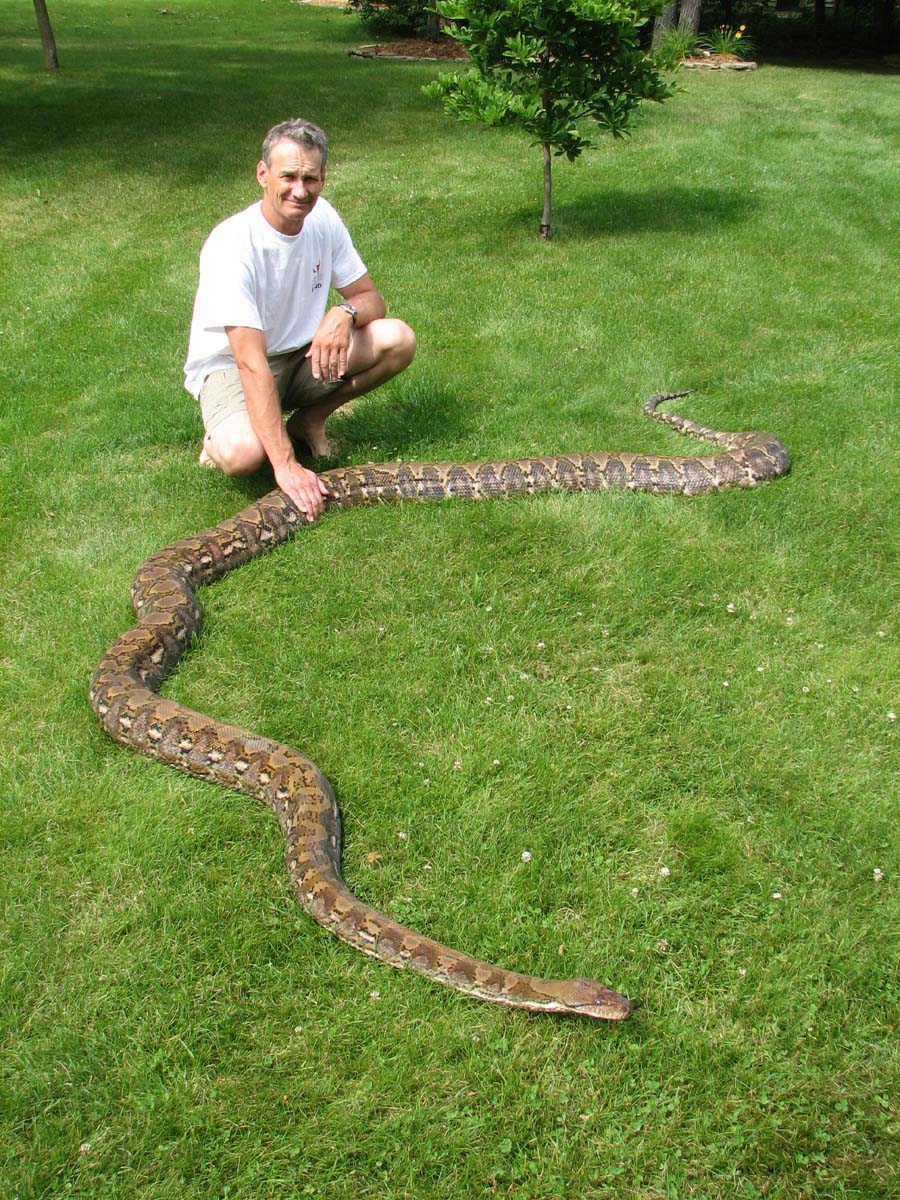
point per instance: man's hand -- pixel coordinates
(330, 348)
(304, 487)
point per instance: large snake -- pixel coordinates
(124, 687)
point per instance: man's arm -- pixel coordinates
(264, 409)
(330, 346)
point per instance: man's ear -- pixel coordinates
(262, 173)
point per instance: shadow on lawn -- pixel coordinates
(402, 422)
(670, 209)
(182, 104)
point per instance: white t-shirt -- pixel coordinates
(252, 275)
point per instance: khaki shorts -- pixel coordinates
(222, 394)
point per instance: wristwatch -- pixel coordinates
(348, 307)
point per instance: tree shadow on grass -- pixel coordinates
(182, 102)
(669, 209)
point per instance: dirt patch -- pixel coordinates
(417, 48)
(718, 62)
(446, 50)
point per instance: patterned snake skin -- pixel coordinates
(125, 684)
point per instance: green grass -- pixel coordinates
(172, 1025)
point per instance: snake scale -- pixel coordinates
(124, 688)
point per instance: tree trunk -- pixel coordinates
(46, 31)
(819, 17)
(689, 17)
(548, 167)
(433, 26)
(663, 22)
(886, 26)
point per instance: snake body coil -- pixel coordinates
(125, 684)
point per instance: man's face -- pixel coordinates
(291, 184)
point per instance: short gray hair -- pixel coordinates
(296, 130)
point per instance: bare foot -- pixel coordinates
(204, 460)
(313, 437)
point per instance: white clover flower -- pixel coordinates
(730, 608)
(776, 896)
(878, 874)
(635, 891)
(526, 856)
(892, 716)
(665, 872)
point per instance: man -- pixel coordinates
(262, 343)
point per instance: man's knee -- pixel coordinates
(235, 448)
(394, 343)
(403, 340)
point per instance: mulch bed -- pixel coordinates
(718, 62)
(446, 50)
(415, 48)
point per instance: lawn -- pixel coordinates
(682, 709)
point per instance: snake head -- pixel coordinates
(587, 998)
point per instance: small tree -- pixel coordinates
(51, 61)
(545, 66)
